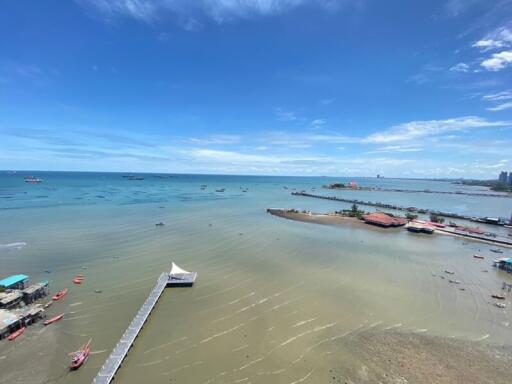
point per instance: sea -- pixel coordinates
(274, 299)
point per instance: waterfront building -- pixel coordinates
(503, 178)
(383, 220)
(509, 178)
(14, 282)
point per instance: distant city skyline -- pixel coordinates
(258, 87)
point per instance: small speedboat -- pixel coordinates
(496, 250)
(499, 297)
(500, 305)
(77, 280)
(59, 295)
(54, 319)
(454, 281)
(478, 257)
(15, 334)
(160, 224)
(449, 272)
(79, 357)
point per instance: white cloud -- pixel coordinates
(214, 139)
(187, 10)
(501, 107)
(460, 67)
(317, 123)
(497, 61)
(499, 38)
(420, 129)
(503, 95)
(397, 149)
(283, 115)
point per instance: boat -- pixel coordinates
(78, 358)
(499, 297)
(59, 295)
(15, 334)
(48, 304)
(220, 190)
(32, 179)
(454, 281)
(500, 305)
(78, 280)
(478, 257)
(98, 291)
(449, 272)
(160, 224)
(54, 319)
(496, 250)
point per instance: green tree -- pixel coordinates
(436, 218)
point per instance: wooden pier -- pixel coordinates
(177, 277)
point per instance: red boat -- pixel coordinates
(79, 357)
(77, 280)
(478, 256)
(14, 335)
(54, 319)
(59, 295)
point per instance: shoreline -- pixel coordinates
(334, 219)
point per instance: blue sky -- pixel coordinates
(284, 87)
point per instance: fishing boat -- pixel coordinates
(32, 179)
(15, 334)
(54, 319)
(59, 295)
(478, 257)
(78, 358)
(499, 297)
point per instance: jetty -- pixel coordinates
(483, 220)
(177, 277)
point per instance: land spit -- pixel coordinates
(396, 207)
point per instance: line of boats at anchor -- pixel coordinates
(79, 357)
(220, 190)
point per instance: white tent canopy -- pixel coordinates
(175, 270)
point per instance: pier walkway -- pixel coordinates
(109, 369)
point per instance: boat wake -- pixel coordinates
(16, 245)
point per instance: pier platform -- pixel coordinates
(177, 277)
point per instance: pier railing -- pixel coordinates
(109, 369)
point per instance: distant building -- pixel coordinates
(509, 178)
(503, 178)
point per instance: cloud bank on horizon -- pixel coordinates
(285, 87)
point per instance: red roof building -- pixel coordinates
(383, 220)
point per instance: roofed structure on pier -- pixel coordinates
(178, 277)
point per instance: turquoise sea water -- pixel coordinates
(274, 298)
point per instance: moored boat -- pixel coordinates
(15, 334)
(59, 295)
(48, 304)
(54, 319)
(79, 357)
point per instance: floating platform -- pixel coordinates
(177, 277)
(180, 278)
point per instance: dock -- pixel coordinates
(177, 277)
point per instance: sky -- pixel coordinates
(258, 87)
